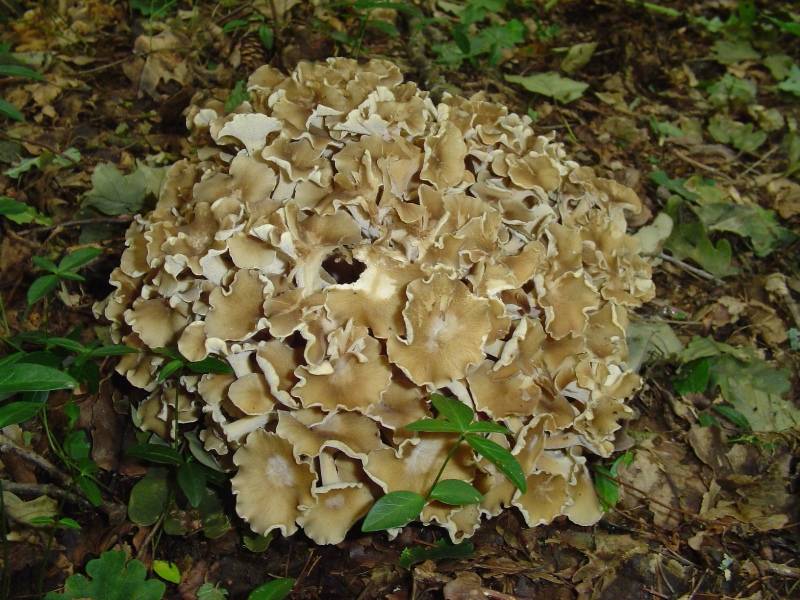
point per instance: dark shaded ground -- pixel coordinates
(671, 536)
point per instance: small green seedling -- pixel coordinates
(396, 509)
(65, 270)
(605, 480)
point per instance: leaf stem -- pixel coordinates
(444, 464)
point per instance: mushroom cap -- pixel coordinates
(348, 247)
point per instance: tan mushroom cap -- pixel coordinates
(270, 485)
(351, 433)
(237, 314)
(336, 509)
(155, 322)
(566, 302)
(446, 327)
(443, 165)
(251, 395)
(503, 392)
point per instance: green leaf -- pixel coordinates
(650, 340)
(156, 453)
(433, 426)
(500, 457)
(792, 83)
(90, 489)
(238, 95)
(577, 56)
(693, 378)
(19, 71)
(168, 571)
(733, 415)
(395, 509)
(113, 193)
(552, 85)
(779, 65)
(210, 364)
(27, 377)
(9, 110)
(742, 136)
(112, 578)
(77, 259)
(277, 589)
(209, 591)
(732, 91)
(149, 497)
(750, 221)
(65, 343)
(18, 412)
(21, 213)
(607, 489)
(488, 427)
(233, 25)
(41, 287)
(192, 481)
(453, 410)
(267, 36)
(730, 52)
(170, 369)
(442, 550)
(676, 186)
(67, 523)
(257, 543)
(455, 492)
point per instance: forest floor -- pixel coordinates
(693, 104)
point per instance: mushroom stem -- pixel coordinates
(327, 468)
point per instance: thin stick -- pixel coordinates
(8, 445)
(699, 165)
(758, 162)
(78, 223)
(691, 269)
(48, 489)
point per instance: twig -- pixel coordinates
(691, 269)
(699, 165)
(78, 223)
(48, 489)
(150, 535)
(758, 162)
(106, 66)
(8, 445)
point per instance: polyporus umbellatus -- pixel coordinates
(348, 247)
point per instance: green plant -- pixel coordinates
(111, 577)
(362, 11)
(277, 589)
(396, 509)
(65, 270)
(605, 480)
(11, 67)
(21, 213)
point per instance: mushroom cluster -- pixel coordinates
(348, 247)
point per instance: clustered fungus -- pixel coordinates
(349, 247)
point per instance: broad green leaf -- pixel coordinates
(433, 426)
(395, 509)
(455, 492)
(257, 543)
(559, 88)
(149, 498)
(113, 577)
(75, 260)
(742, 136)
(488, 427)
(9, 110)
(21, 213)
(18, 412)
(730, 52)
(693, 378)
(757, 224)
(113, 193)
(690, 239)
(650, 340)
(19, 71)
(779, 65)
(607, 489)
(77, 446)
(27, 377)
(732, 91)
(453, 410)
(192, 481)
(500, 457)
(266, 36)
(277, 589)
(45, 264)
(792, 83)
(577, 56)
(676, 186)
(170, 369)
(209, 591)
(442, 550)
(65, 343)
(156, 453)
(41, 287)
(168, 571)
